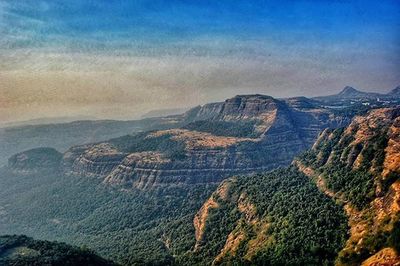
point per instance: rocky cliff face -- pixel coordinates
(360, 167)
(237, 108)
(279, 131)
(275, 218)
(213, 144)
(357, 166)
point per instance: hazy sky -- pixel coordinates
(119, 59)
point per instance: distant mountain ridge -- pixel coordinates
(395, 91)
(244, 134)
(47, 120)
(61, 136)
(64, 135)
(352, 93)
(164, 112)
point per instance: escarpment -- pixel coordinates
(91, 160)
(297, 215)
(245, 134)
(359, 166)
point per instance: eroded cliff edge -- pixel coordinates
(360, 168)
(280, 218)
(244, 134)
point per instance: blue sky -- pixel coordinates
(126, 24)
(116, 58)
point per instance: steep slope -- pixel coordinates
(269, 219)
(360, 167)
(21, 250)
(244, 134)
(133, 227)
(280, 218)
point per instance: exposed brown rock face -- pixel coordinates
(371, 143)
(372, 225)
(280, 131)
(92, 160)
(256, 240)
(392, 159)
(385, 257)
(201, 216)
(250, 229)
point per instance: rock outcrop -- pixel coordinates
(357, 166)
(370, 149)
(212, 144)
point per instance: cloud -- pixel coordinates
(119, 61)
(124, 86)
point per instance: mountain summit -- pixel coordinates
(395, 91)
(349, 91)
(351, 94)
(244, 134)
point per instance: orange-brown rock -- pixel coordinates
(280, 130)
(383, 212)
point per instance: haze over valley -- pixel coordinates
(199, 133)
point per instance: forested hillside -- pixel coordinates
(277, 218)
(339, 203)
(131, 227)
(20, 250)
(360, 168)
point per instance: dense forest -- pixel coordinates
(130, 227)
(240, 129)
(353, 166)
(156, 226)
(20, 250)
(303, 226)
(304, 214)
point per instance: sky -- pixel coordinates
(120, 59)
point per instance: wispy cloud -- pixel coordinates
(121, 59)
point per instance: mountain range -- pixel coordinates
(244, 134)
(357, 166)
(350, 93)
(251, 180)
